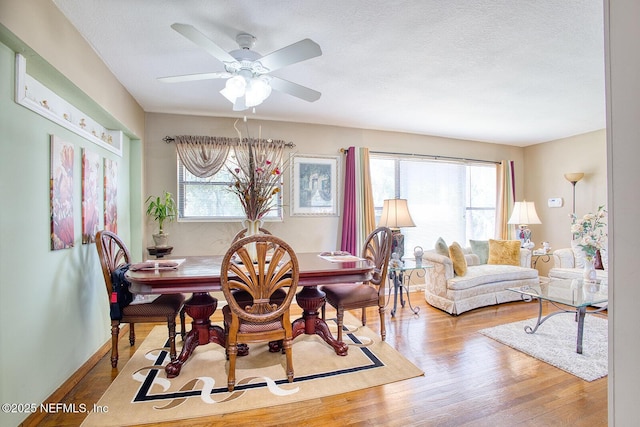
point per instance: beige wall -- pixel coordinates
(304, 233)
(546, 165)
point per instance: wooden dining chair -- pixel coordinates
(243, 233)
(113, 255)
(264, 319)
(243, 296)
(351, 296)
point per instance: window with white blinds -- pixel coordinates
(448, 199)
(203, 199)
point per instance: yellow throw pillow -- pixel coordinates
(505, 252)
(457, 257)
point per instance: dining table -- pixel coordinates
(200, 275)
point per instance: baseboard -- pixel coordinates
(58, 395)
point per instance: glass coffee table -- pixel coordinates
(568, 296)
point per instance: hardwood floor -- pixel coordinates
(469, 380)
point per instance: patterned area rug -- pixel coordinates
(555, 343)
(141, 393)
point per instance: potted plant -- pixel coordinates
(161, 209)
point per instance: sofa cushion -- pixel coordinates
(457, 256)
(441, 247)
(478, 275)
(578, 254)
(480, 248)
(504, 252)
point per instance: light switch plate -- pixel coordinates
(555, 202)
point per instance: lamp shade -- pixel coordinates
(524, 213)
(573, 177)
(395, 214)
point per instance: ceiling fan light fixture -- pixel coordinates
(234, 88)
(258, 90)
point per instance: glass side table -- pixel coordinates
(400, 278)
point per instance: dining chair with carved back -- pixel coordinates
(243, 233)
(114, 259)
(243, 296)
(351, 296)
(263, 319)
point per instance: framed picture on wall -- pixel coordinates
(90, 196)
(110, 195)
(314, 185)
(62, 183)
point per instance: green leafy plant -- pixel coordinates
(161, 209)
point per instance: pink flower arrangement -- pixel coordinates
(257, 186)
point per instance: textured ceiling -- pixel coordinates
(505, 71)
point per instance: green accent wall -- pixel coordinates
(54, 312)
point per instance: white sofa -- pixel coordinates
(482, 285)
(567, 266)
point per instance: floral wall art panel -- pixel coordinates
(61, 187)
(90, 196)
(110, 195)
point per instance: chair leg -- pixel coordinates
(232, 352)
(132, 334)
(383, 329)
(288, 353)
(364, 316)
(183, 331)
(171, 324)
(115, 331)
(340, 316)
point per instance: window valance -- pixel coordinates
(204, 156)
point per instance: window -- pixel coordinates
(209, 198)
(452, 200)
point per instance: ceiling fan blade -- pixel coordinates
(299, 51)
(203, 41)
(294, 89)
(194, 77)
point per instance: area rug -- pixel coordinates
(142, 393)
(555, 343)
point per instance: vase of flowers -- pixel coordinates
(590, 235)
(257, 179)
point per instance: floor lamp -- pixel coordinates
(573, 178)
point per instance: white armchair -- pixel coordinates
(566, 265)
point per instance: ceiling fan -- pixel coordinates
(249, 81)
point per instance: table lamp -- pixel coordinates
(395, 214)
(524, 213)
